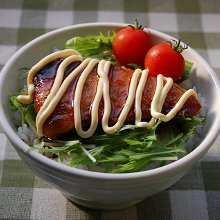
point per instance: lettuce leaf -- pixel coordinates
(93, 46)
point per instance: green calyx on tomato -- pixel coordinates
(131, 44)
(166, 59)
(136, 25)
(178, 47)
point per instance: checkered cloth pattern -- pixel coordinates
(197, 195)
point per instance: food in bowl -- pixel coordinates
(94, 114)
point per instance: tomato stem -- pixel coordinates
(178, 47)
(136, 25)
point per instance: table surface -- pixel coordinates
(197, 194)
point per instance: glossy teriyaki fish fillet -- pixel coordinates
(61, 122)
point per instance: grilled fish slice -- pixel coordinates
(61, 121)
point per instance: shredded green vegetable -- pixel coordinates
(187, 71)
(130, 149)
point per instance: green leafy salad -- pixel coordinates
(130, 149)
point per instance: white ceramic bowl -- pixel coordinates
(101, 190)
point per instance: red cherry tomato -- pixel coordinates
(165, 59)
(130, 45)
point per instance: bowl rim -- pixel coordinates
(197, 153)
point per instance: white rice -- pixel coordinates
(26, 134)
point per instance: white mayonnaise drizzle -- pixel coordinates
(136, 89)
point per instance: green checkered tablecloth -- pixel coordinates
(197, 195)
